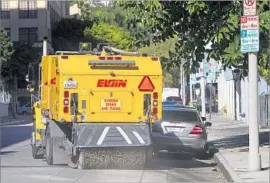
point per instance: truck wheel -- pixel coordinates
(49, 148)
(35, 151)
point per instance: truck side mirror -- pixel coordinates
(27, 78)
(204, 118)
(207, 124)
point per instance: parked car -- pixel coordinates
(25, 109)
(181, 130)
(175, 98)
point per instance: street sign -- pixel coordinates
(249, 34)
(249, 7)
(249, 22)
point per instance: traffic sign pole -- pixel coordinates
(250, 45)
(254, 154)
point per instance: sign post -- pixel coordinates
(250, 45)
(249, 34)
(249, 7)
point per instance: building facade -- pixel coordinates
(31, 20)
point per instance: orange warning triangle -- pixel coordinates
(146, 85)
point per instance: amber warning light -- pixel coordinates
(146, 85)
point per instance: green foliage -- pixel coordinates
(7, 49)
(171, 77)
(17, 66)
(112, 14)
(167, 80)
(161, 49)
(100, 13)
(67, 34)
(196, 24)
(104, 32)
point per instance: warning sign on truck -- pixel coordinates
(110, 104)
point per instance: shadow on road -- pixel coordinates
(179, 160)
(239, 141)
(14, 134)
(8, 152)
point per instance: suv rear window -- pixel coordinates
(185, 116)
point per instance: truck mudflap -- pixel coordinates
(111, 135)
(112, 145)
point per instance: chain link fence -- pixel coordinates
(264, 104)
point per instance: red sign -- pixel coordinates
(249, 7)
(111, 83)
(243, 19)
(249, 2)
(249, 22)
(146, 85)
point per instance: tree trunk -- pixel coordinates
(14, 97)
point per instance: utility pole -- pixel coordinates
(210, 100)
(190, 89)
(184, 85)
(203, 92)
(180, 83)
(250, 32)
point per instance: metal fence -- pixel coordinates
(264, 104)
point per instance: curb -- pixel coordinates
(13, 122)
(226, 169)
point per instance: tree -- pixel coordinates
(196, 24)
(167, 80)
(162, 50)
(68, 33)
(112, 14)
(98, 12)
(16, 68)
(104, 32)
(7, 49)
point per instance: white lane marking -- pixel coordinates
(121, 131)
(138, 137)
(15, 125)
(103, 135)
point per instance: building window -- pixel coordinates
(28, 9)
(8, 32)
(4, 9)
(28, 34)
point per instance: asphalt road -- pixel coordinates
(14, 134)
(17, 165)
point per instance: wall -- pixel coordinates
(226, 94)
(14, 23)
(3, 110)
(237, 104)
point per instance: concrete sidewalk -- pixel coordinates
(231, 139)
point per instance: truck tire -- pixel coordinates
(35, 151)
(49, 147)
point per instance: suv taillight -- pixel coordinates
(66, 102)
(197, 130)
